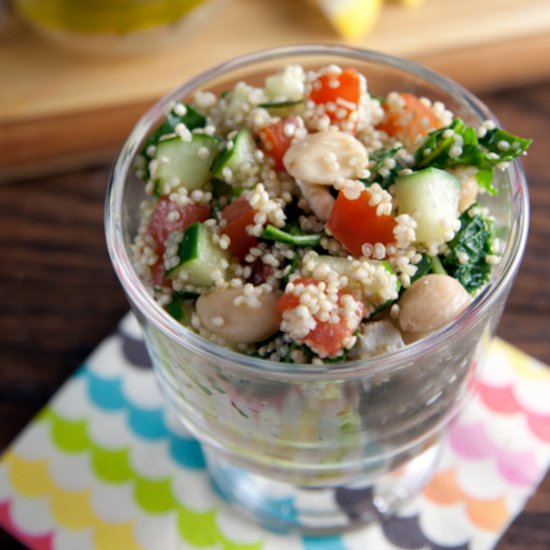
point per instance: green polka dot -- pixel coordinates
(201, 530)
(198, 528)
(111, 466)
(155, 496)
(71, 436)
(231, 545)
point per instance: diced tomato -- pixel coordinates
(276, 142)
(160, 226)
(157, 274)
(239, 214)
(291, 301)
(340, 93)
(326, 339)
(355, 222)
(409, 123)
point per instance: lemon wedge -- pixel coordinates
(408, 3)
(352, 19)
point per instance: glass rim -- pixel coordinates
(142, 299)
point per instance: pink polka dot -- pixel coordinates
(540, 425)
(471, 441)
(499, 399)
(43, 542)
(519, 468)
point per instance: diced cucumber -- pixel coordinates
(187, 115)
(190, 117)
(184, 163)
(200, 259)
(287, 85)
(431, 197)
(240, 152)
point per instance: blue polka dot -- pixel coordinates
(334, 542)
(105, 393)
(147, 423)
(187, 452)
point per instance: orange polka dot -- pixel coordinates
(488, 514)
(444, 489)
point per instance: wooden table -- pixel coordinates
(59, 296)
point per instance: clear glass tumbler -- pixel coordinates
(314, 447)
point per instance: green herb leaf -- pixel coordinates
(380, 173)
(437, 266)
(280, 104)
(181, 306)
(473, 243)
(504, 145)
(495, 147)
(293, 237)
(423, 267)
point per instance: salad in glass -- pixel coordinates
(306, 219)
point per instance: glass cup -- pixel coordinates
(319, 448)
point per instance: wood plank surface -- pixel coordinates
(59, 295)
(481, 44)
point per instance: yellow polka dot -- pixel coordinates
(72, 509)
(522, 364)
(29, 478)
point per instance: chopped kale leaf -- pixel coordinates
(468, 251)
(423, 267)
(380, 172)
(458, 145)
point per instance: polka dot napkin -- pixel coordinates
(105, 467)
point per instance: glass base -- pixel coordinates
(284, 507)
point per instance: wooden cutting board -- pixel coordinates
(60, 111)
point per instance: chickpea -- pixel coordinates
(325, 157)
(430, 303)
(469, 188)
(319, 199)
(468, 194)
(242, 323)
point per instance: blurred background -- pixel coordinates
(93, 66)
(75, 75)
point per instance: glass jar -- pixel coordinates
(319, 447)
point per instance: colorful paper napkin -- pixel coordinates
(105, 467)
